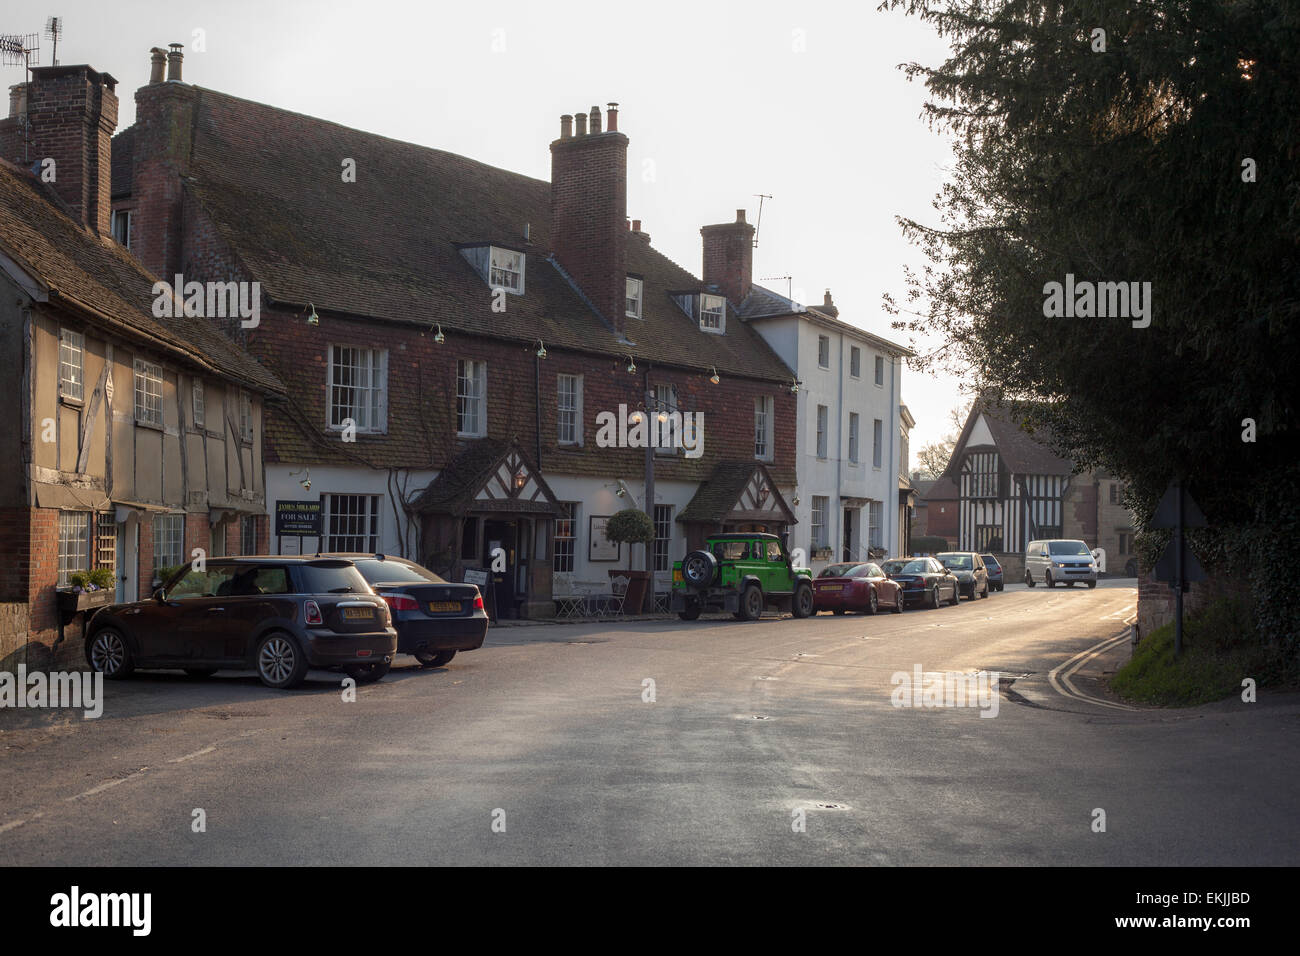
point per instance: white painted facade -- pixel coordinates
(846, 485)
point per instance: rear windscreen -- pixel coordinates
(330, 579)
(394, 572)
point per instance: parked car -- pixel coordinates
(923, 580)
(970, 571)
(1060, 561)
(435, 618)
(740, 573)
(994, 569)
(856, 587)
(276, 615)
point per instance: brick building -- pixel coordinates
(449, 334)
(132, 439)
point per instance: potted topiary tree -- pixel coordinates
(631, 526)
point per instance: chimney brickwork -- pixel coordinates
(729, 257)
(164, 119)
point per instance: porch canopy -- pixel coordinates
(738, 496)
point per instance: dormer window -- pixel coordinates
(713, 312)
(634, 290)
(506, 270)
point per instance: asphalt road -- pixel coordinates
(542, 747)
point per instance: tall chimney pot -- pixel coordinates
(157, 57)
(580, 121)
(595, 119)
(174, 59)
(611, 118)
(17, 100)
(566, 126)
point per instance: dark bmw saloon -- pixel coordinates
(924, 580)
(277, 615)
(435, 618)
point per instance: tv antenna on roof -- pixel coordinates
(789, 284)
(15, 49)
(759, 225)
(53, 30)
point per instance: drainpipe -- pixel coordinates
(841, 419)
(537, 408)
(651, 420)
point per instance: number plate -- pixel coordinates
(359, 612)
(440, 606)
(832, 587)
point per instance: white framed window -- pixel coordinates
(352, 523)
(824, 351)
(196, 391)
(633, 306)
(246, 416)
(148, 393)
(855, 362)
(168, 541)
(247, 534)
(663, 520)
(763, 428)
(853, 437)
(568, 409)
(880, 371)
(506, 270)
(877, 434)
(72, 358)
(358, 388)
(471, 398)
(823, 417)
(665, 405)
(820, 505)
(565, 536)
(74, 543)
(713, 313)
(874, 513)
(122, 227)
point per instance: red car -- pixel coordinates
(856, 587)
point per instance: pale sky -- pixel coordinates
(720, 100)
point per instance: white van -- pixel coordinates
(1060, 561)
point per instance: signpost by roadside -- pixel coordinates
(1178, 566)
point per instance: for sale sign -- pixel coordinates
(298, 518)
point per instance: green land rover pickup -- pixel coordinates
(743, 574)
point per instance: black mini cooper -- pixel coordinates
(276, 615)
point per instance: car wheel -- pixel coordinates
(369, 672)
(1029, 579)
(109, 655)
(1092, 584)
(802, 606)
(934, 597)
(898, 602)
(439, 658)
(956, 594)
(699, 569)
(200, 671)
(986, 592)
(692, 613)
(280, 662)
(751, 603)
(873, 602)
(1048, 578)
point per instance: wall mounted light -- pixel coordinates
(794, 386)
(635, 418)
(631, 365)
(714, 377)
(305, 481)
(439, 338)
(541, 349)
(313, 319)
(619, 493)
(521, 479)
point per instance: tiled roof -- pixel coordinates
(386, 245)
(1025, 450)
(717, 496)
(942, 489)
(97, 274)
(456, 486)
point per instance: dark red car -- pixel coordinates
(855, 587)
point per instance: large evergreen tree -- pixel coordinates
(1162, 150)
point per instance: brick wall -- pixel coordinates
(1156, 599)
(589, 217)
(729, 257)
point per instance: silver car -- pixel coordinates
(1060, 561)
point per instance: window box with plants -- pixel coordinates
(86, 590)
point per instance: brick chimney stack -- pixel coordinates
(729, 258)
(73, 113)
(589, 211)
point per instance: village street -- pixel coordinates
(668, 742)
